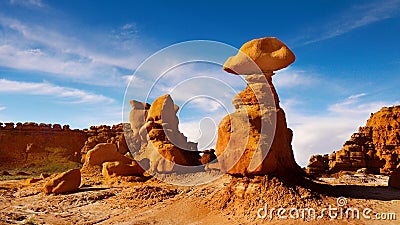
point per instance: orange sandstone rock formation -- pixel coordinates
(263, 54)
(376, 146)
(255, 139)
(166, 145)
(104, 152)
(106, 134)
(65, 182)
(37, 145)
(137, 118)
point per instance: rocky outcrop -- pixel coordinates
(318, 164)
(106, 134)
(65, 182)
(384, 129)
(375, 146)
(104, 152)
(166, 147)
(137, 119)
(255, 139)
(36, 145)
(47, 146)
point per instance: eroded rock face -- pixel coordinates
(375, 146)
(104, 152)
(107, 134)
(243, 130)
(318, 164)
(166, 146)
(32, 145)
(137, 119)
(65, 182)
(255, 138)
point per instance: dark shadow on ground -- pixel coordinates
(383, 193)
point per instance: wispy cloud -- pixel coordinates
(356, 17)
(28, 3)
(70, 95)
(2, 108)
(290, 77)
(34, 47)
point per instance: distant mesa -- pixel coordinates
(34, 126)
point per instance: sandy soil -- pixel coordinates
(228, 200)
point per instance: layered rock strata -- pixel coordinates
(34, 145)
(376, 146)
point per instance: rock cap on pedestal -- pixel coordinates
(260, 55)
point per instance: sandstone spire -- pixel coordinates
(255, 139)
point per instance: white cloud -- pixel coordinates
(206, 104)
(203, 131)
(71, 95)
(37, 48)
(2, 108)
(290, 77)
(356, 17)
(351, 106)
(27, 3)
(324, 133)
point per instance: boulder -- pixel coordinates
(65, 182)
(266, 54)
(120, 169)
(104, 152)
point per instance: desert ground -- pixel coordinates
(227, 200)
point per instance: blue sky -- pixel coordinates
(69, 62)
